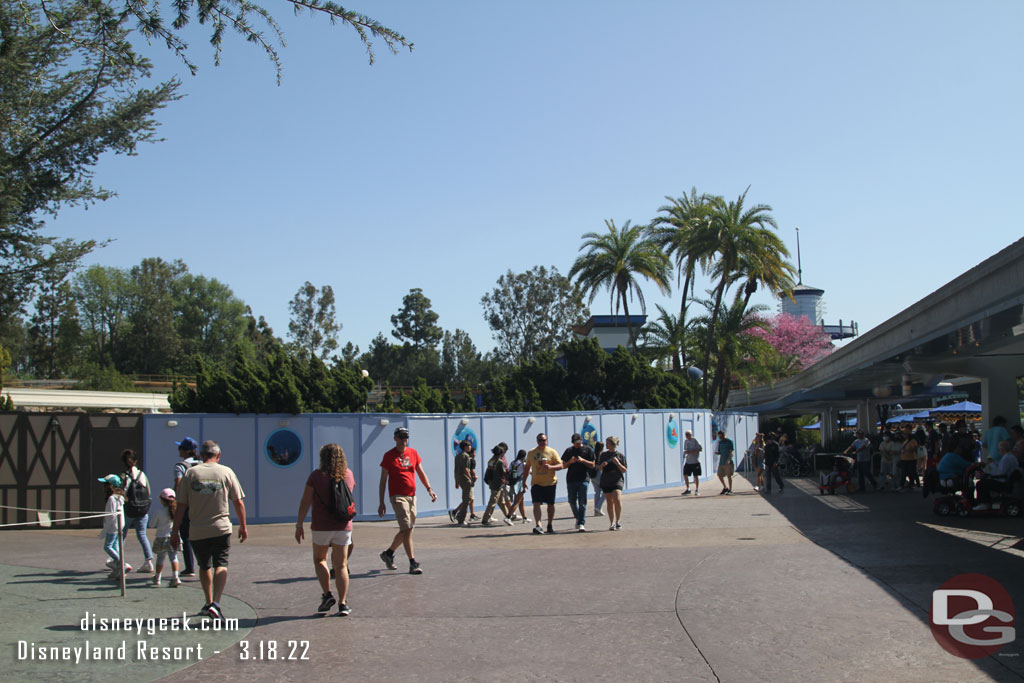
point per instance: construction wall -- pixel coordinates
(274, 454)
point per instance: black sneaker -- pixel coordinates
(538, 530)
(414, 567)
(451, 516)
(389, 560)
(551, 529)
(344, 610)
(205, 612)
(215, 612)
(327, 603)
(724, 491)
(686, 492)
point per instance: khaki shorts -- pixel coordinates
(725, 470)
(405, 511)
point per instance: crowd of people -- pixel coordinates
(193, 516)
(602, 466)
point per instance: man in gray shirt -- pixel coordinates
(691, 449)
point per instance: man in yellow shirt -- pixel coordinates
(542, 462)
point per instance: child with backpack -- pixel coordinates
(115, 514)
(164, 518)
(494, 477)
(137, 500)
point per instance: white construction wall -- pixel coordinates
(650, 439)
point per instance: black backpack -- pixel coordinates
(341, 506)
(492, 475)
(136, 497)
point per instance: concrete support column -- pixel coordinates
(866, 416)
(998, 387)
(999, 397)
(828, 425)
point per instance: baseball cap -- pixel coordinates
(401, 431)
(576, 437)
(111, 479)
(167, 494)
(188, 444)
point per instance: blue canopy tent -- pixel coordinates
(961, 407)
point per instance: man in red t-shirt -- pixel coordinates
(398, 470)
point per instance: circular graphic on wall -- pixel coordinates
(464, 433)
(283, 448)
(672, 433)
(589, 434)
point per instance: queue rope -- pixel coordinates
(57, 521)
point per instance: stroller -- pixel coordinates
(841, 476)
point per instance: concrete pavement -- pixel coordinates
(717, 588)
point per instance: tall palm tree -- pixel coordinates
(684, 232)
(739, 233)
(615, 259)
(767, 267)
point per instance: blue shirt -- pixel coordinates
(725, 449)
(952, 465)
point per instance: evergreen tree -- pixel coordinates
(416, 322)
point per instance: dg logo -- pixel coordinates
(972, 616)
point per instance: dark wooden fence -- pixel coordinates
(51, 461)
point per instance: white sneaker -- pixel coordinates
(611, 528)
(598, 513)
(146, 568)
(525, 520)
(156, 580)
(508, 521)
(514, 517)
(110, 563)
(581, 528)
(174, 583)
(696, 493)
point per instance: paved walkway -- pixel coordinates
(739, 588)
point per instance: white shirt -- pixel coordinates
(115, 503)
(1006, 466)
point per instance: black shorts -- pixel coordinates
(691, 468)
(212, 551)
(542, 494)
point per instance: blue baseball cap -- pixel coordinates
(188, 444)
(111, 479)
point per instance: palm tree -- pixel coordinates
(615, 260)
(767, 267)
(666, 337)
(736, 352)
(739, 234)
(685, 233)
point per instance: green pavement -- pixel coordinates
(73, 625)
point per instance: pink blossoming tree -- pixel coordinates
(799, 342)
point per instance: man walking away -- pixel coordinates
(204, 493)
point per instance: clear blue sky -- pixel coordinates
(889, 133)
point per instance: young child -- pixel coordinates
(115, 512)
(162, 547)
